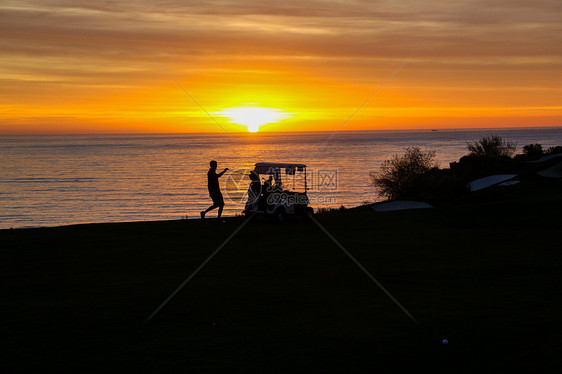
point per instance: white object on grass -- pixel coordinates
(508, 183)
(545, 158)
(400, 205)
(552, 172)
(480, 184)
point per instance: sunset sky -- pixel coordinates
(93, 67)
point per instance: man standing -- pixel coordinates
(214, 189)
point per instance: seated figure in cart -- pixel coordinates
(274, 198)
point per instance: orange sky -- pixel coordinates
(83, 67)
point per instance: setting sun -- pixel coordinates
(253, 117)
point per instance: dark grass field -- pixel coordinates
(483, 272)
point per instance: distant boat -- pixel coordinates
(435, 130)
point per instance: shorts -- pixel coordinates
(217, 198)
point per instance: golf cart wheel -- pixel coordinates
(280, 216)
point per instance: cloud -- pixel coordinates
(70, 46)
(327, 28)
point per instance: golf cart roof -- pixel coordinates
(264, 167)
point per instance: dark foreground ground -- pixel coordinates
(483, 273)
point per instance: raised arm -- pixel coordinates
(222, 172)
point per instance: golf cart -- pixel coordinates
(282, 193)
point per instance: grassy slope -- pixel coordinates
(483, 272)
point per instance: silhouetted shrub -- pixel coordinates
(397, 177)
(533, 150)
(553, 150)
(437, 185)
(471, 167)
(491, 154)
(492, 146)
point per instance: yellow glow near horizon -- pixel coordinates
(253, 117)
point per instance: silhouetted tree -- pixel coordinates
(493, 146)
(397, 177)
(490, 155)
(533, 150)
(553, 150)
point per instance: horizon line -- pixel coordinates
(435, 129)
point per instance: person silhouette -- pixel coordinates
(254, 190)
(214, 189)
(266, 192)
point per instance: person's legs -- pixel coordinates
(219, 201)
(208, 210)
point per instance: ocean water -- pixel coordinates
(68, 179)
